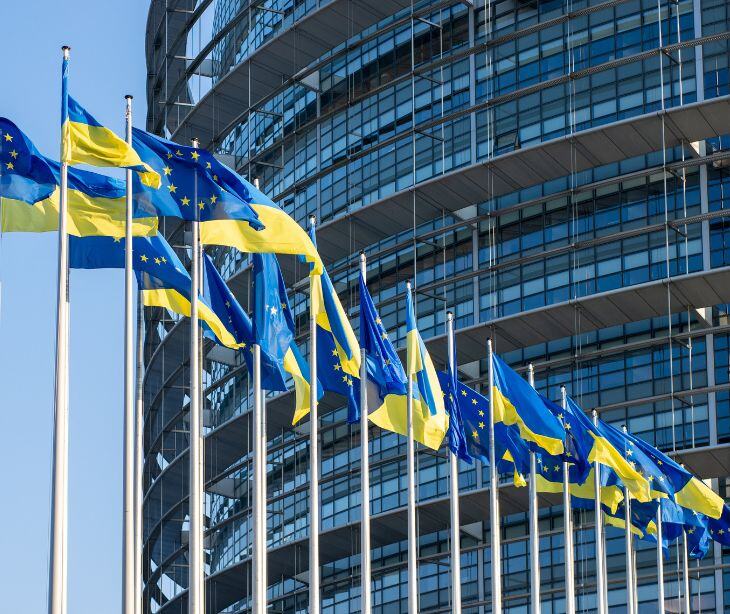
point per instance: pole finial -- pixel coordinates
(66, 50)
(312, 220)
(450, 315)
(128, 97)
(256, 182)
(195, 142)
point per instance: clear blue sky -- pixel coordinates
(107, 40)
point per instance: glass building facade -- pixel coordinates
(552, 172)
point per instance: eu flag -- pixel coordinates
(274, 332)
(180, 167)
(25, 174)
(473, 411)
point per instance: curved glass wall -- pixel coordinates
(427, 91)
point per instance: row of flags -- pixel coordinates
(413, 400)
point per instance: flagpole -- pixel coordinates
(259, 489)
(601, 597)
(411, 469)
(568, 526)
(494, 496)
(196, 604)
(659, 560)
(628, 546)
(534, 523)
(687, 598)
(57, 594)
(139, 460)
(365, 567)
(260, 566)
(454, 490)
(128, 578)
(313, 449)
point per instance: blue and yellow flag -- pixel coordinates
(162, 279)
(25, 174)
(274, 332)
(222, 224)
(587, 445)
(190, 188)
(689, 491)
(518, 403)
(472, 409)
(720, 527)
(86, 141)
(96, 207)
(430, 420)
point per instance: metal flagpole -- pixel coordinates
(568, 527)
(260, 566)
(412, 530)
(259, 498)
(659, 561)
(128, 558)
(628, 545)
(57, 595)
(686, 597)
(139, 460)
(534, 524)
(494, 496)
(601, 596)
(365, 572)
(454, 490)
(313, 449)
(196, 604)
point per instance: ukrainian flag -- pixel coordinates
(25, 174)
(430, 420)
(689, 491)
(387, 386)
(274, 332)
(518, 403)
(96, 207)
(86, 141)
(222, 225)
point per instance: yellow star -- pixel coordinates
(691, 531)
(215, 177)
(473, 401)
(378, 321)
(207, 165)
(338, 367)
(349, 381)
(9, 138)
(629, 452)
(195, 155)
(9, 166)
(172, 187)
(567, 426)
(169, 155)
(475, 435)
(463, 393)
(283, 306)
(560, 416)
(178, 153)
(158, 261)
(228, 303)
(143, 258)
(13, 154)
(117, 239)
(344, 378)
(213, 200)
(384, 336)
(721, 532)
(201, 205)
(481, 413)
(334, 352)
(556, 468)
(544, 469)
(387, 362)
(167, 170)
(481, 425)
(660, 463)
(185, 201)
